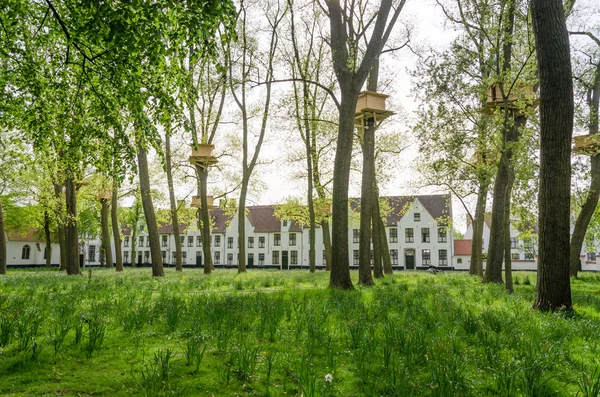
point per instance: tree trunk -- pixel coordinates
(71, 233)
(553, 288)
(340, 265)
(202, 174)
(157, 265)
(588, 208)
(60, 227)
(476, 266)
(507, 253)
(377, 239)
(116, 228)
(242, 228)
(2, 241)
(104, 216)
(48, 248)
(366, 205)
(493, 270)
(173, 204)
(327, 244)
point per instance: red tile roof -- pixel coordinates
(462, 247)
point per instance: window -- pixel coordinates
(285, 223)
(164, 256)
(91, 253)
(394, 256)
(442, 235)
(443, 257)
(425, 235)
(356, 258)
(230, 259)
(182, 239)
(292, 239)
(261, 242)
(146, 256)
(293, 257)
(141, 241)
(276, 257)
(356, 236)
(126, 256)
(324, 258)
(409, 235)
(198, 241)
(591, 256)
(528, 255)
(184, 257)
(126, 241)
(513, 243)
(174, 257)
(514, 256)
(217, 241)
(25, 252)
(250, 242)
(190, 241)
(217, 258)
(393, 235)
(459, 260)
(229, 242)
(261, 259)
(426, 255)
(417, 217)
(277, 239)
(163, 240)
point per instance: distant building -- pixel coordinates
(26, 249)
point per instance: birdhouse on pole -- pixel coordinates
(371, 105)
(520, 96)
(203, 156)
(197, 201)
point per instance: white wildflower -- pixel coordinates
(329, 378)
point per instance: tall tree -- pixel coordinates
(351, 64)
(553, 287)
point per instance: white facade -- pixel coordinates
(28, 251)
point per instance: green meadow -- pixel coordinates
(284, 333)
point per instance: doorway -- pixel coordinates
(284, 260)
(198, 258)
(250, 260)
(409, 257)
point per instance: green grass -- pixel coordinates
(275, 333)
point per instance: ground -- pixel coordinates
(276, 333)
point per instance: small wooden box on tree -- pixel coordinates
(203, 156)
(518, 97)
(588, 145)
(197, 201)
(371, 105)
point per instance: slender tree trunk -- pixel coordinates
(385, 249)
(134, 237)
(71, 233)
(476, 266)
(115, 228)
(553, 287)
(242, 227)
(507, 254)
(588, 208)
(366, 206)
(377, 243)
(2, 241)
(173, 204)
(105, 214)
(151, 225)
(60, 226)
(202, 174)
(327, 244)
(340, 266)
(493, 270)
(48, 248)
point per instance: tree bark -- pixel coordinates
(157, 265)
(588, 208)
(327, 244)
(507, 243)
(385, 249)
(116, 229)
(366, 205)
(377, 241)
(2, 241)
(173, 204)
(553, 288)
(202, 174)
(104, 216)
(476, 266)
(71, 233)
(60, 227)
(48, 248)
(242, 227)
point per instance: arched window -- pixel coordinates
(25, 252)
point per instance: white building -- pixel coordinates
(27, 249)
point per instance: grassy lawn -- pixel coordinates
(275, 333)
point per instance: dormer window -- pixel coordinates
(285, 223)
(417, 216)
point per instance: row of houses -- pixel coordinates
(417, 229)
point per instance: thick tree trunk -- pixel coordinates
(60, 227)
(507, 253)
(340, 265)
(377, 240)
(476, 266)
(151, 225)
(116, 229)
(173, 204)
(71, 233)
(493, 270)
(202, 174)
(48, 248)
(327, 244)
(242, 228)
(2, 241)
(366, 205)
(104, 215)
(553, 288)
(385, 249)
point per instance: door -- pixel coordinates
(140, 259)
(250, 260)
(410, 260)
(284, 260)
(198, 258)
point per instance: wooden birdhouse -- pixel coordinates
(197, 201)
(203, 156)
(104, 194)
(588, 145)
(371, 105)
(521, 92)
